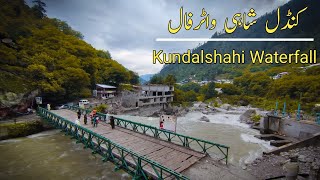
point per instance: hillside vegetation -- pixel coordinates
(38, 52)
(252, 82)
(308, 27)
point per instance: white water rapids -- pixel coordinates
(224, 128)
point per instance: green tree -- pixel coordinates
(48, 55)
(39, 8)
(190, 96)
(133, 77)
(210, 91)
(104, 54)
(156, 79)
(65, 28)
(191, 86)
(170, 80)
(230, 89)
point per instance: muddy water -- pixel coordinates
(52, 155)
(224, 128)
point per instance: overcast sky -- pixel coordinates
(128, 28)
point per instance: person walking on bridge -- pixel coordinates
(112, 122)
(95, 121)
(85, 118)
(79, 114)
(92, 115)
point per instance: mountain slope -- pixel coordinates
(146, 77)
(308, 27)
(44, 54)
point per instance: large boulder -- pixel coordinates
(246, 116)
(12, 104)
(204, 118)
(203, 105)
(226, 107)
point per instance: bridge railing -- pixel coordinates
(122, 157)
(102, 116)
(196, 144)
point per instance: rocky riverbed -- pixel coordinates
(180, 111)
(264, 167)
(270, 166)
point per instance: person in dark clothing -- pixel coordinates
(95, 121)
(112, 122)
(85, 119)
(79, 114)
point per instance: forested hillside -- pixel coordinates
(253, 83)
(308, 27)
(44, 54)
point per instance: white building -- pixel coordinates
(104, 91)
(224, 81)
(278, 76)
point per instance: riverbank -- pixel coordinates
(22, 126)
(181, 111)
(273, 166)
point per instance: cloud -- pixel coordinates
(137, 59)
(128, 29)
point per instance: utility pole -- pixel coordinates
(284, 109)
(276, 110)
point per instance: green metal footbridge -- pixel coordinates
(144, 151)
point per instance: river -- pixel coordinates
(224, 128)
(52, 155)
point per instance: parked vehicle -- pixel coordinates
(63, 106)
(83, 101)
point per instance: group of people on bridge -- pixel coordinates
(95, 118)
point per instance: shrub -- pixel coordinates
(256, 118)
(101, 108)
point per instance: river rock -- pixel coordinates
(205, 119)
(226, 107)
(205, 112)
(202, 105)
(12, 104)
(246, 116)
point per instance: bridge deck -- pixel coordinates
(175, 157)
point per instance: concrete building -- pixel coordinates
(147, 95)
(280, 75)
(155, 94)
(104, 91)
(224, 81)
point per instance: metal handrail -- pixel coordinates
(140, 159)
(183, 139)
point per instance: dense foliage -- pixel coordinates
(253, 83)
(307, 28)
(191, 92)
(47, 54)
(186, 93)
(259, 89)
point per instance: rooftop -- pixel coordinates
(106, 86)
